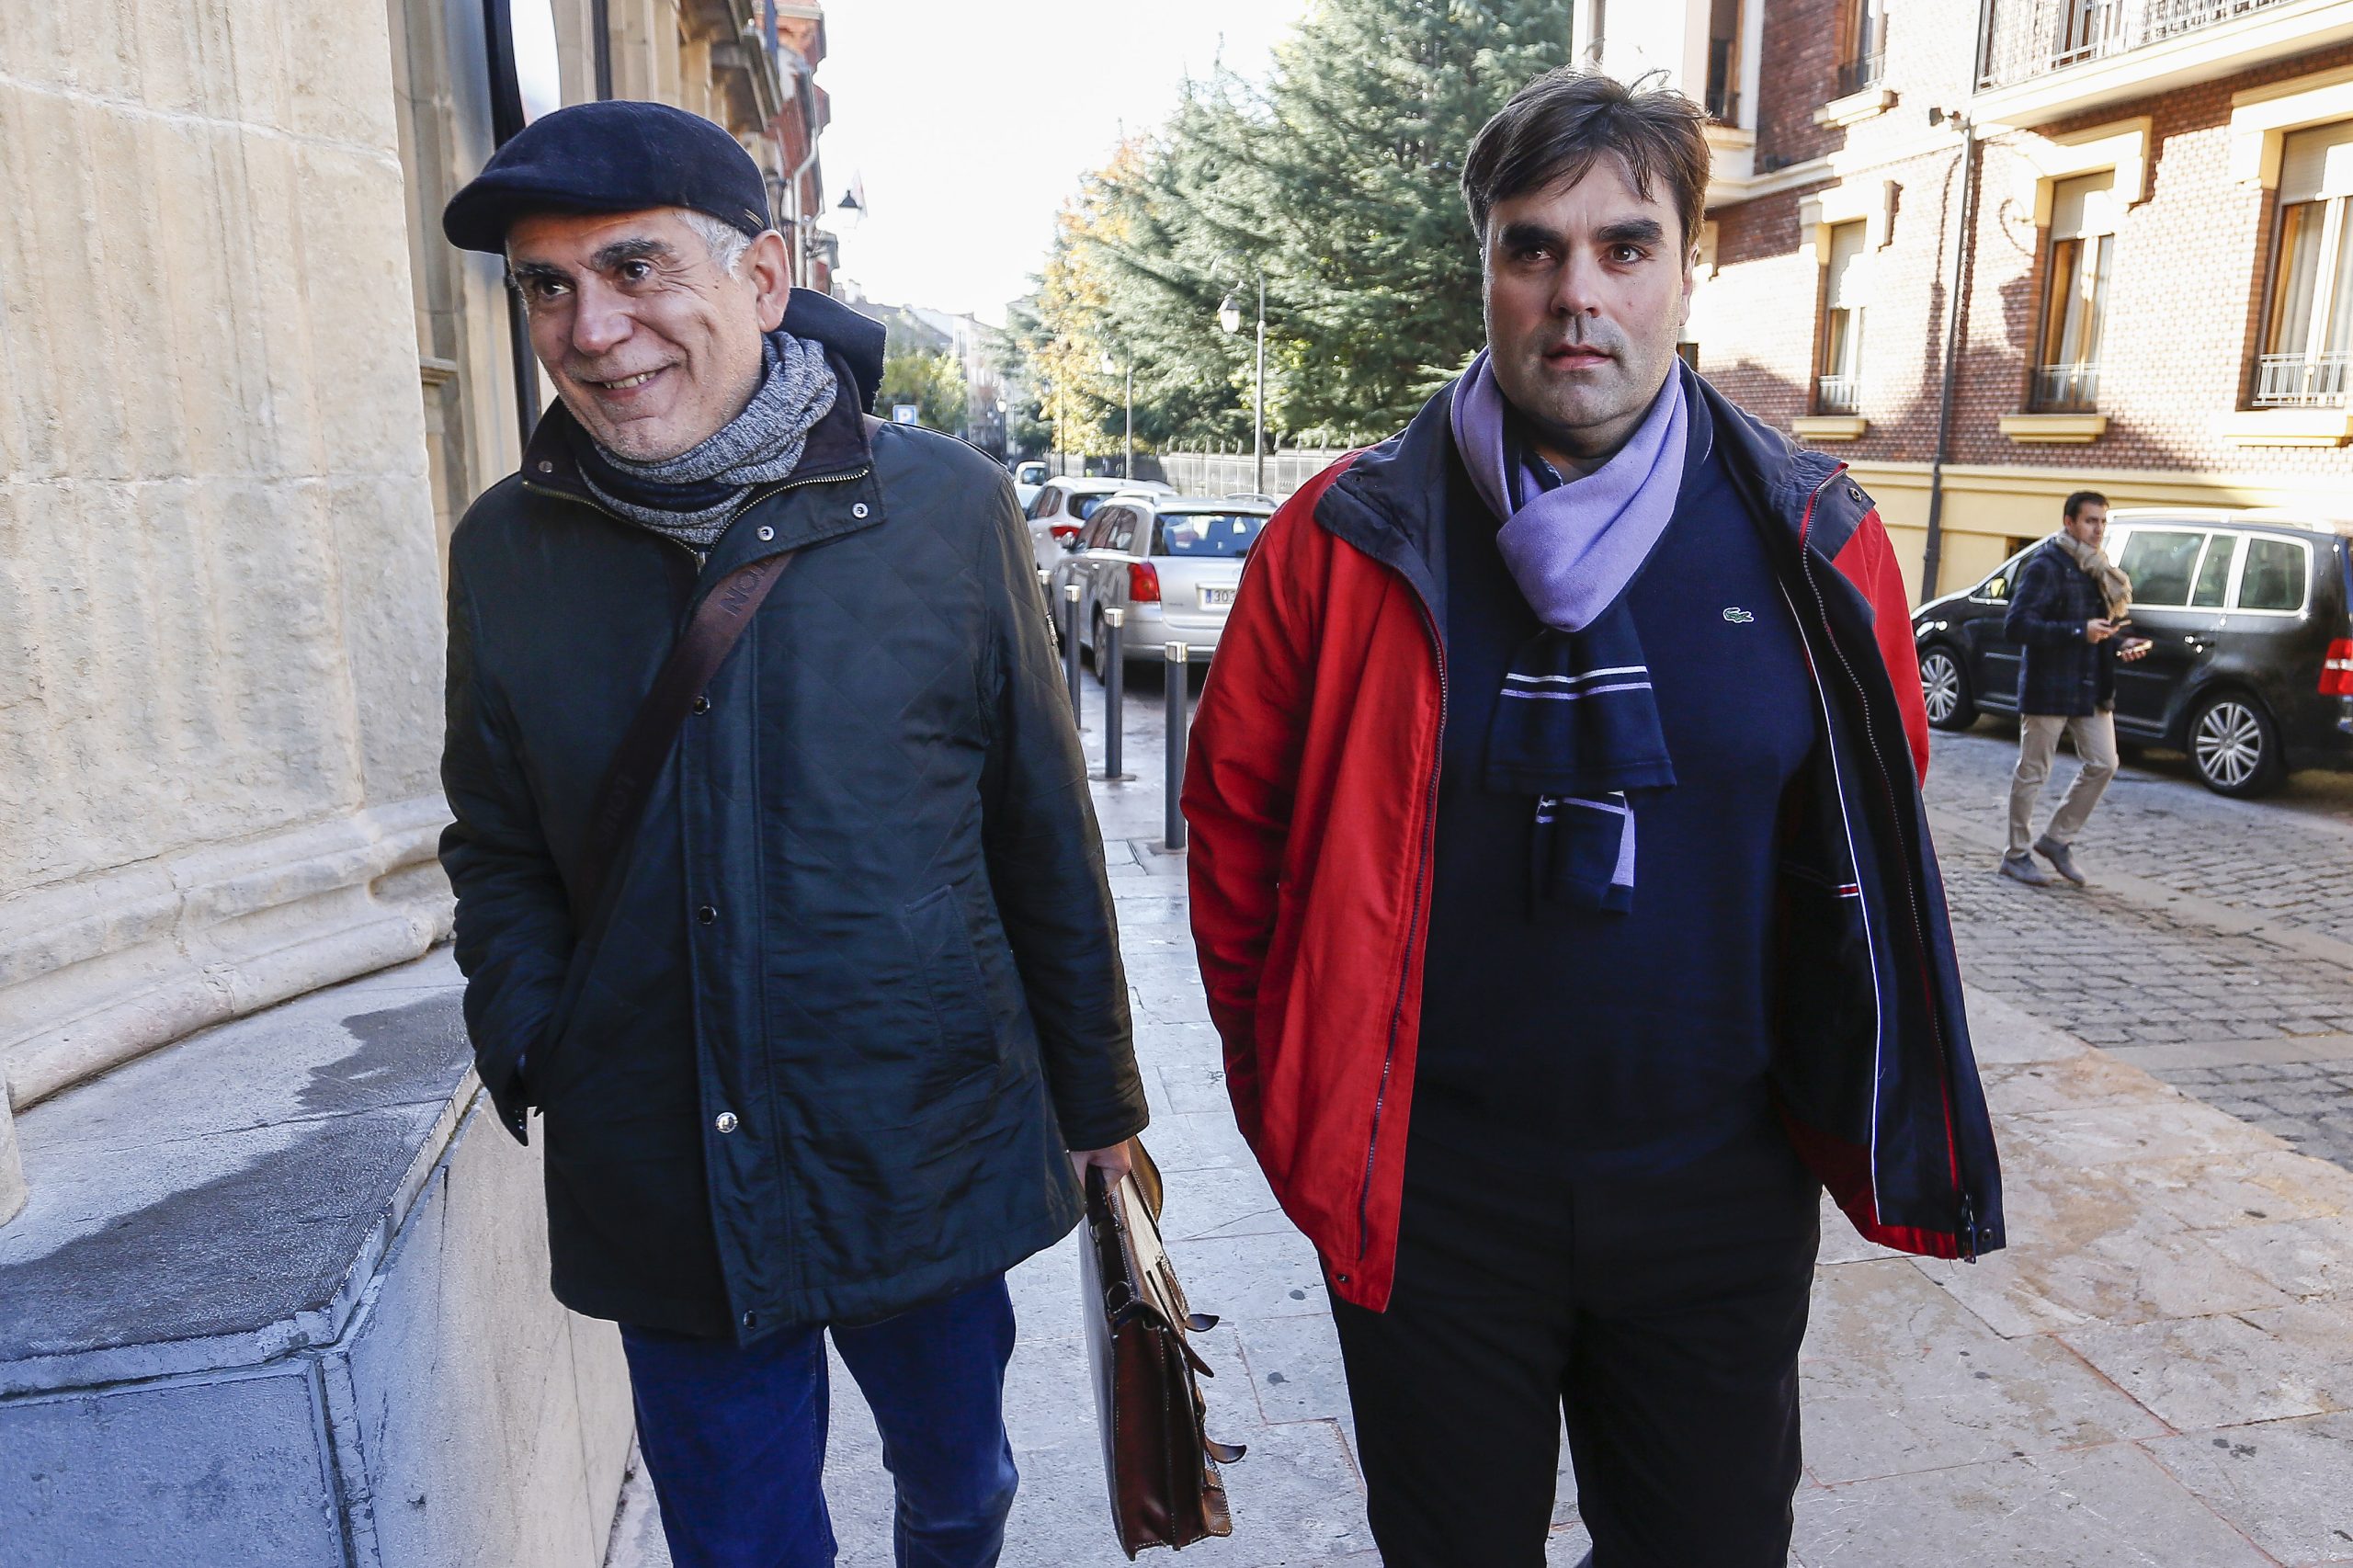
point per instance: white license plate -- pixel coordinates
(1213, 598)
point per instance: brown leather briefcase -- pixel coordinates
(1162, 1466)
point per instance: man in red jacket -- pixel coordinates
(1564, 897)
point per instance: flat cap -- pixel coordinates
(617, 156)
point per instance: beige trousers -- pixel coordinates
(2094, 738)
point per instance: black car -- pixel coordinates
(2250, 615)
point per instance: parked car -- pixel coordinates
(1028, 478)
(1171, 561)
(1060, 510)
(2250, 618)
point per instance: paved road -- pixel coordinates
(2214, 948)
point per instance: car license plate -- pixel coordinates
(1216, 599)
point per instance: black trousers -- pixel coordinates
(1661, 1317)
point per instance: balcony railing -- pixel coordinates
(1839, 394)
(2303, 381)
(2026, 38)
(2066, 389)
(1862, 75)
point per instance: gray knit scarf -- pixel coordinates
(693, 497)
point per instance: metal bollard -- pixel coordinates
(1112, 661)
(1070, 644)
(1174, 673)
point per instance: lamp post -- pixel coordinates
(1229, 316)
(1128, 454)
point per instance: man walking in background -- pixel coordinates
(1563, 892)
(2069, 608)
(811, 1045)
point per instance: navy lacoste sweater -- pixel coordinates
(1618, 1045)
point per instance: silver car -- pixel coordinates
(1059, 510)
(1172, 562)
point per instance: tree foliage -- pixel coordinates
(933, 382)
(1336, 178)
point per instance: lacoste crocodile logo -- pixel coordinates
(1737, 616)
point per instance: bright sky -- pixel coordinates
(970, 124)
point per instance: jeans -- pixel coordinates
(2094, 738)
(735, 1436)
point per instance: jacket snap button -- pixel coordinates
(1853, 494)
(766, 533)
(725, 1122)
(706, 915)
(858, 510)
(702, 705)
(546, 467)
(751, 1320)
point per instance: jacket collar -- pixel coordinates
(839, 444)
(1391, 501)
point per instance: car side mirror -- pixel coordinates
(1071, 545)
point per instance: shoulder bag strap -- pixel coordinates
(717, 624)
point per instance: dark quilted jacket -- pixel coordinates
(2061, 673)
(865, 927)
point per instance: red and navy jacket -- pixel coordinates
(1311, 791)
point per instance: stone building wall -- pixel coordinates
(219, 611)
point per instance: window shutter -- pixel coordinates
(2083, 206)
(2316, 164)
(1845, 267)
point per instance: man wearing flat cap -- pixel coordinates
(805, 958)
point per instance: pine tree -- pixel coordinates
(1339, 178)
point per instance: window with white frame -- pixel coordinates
(2308, 335)
(2079, 263)
(1839, 387)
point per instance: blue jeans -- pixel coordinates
(734, 1438)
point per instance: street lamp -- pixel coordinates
(1229, 317)
(1127, 455)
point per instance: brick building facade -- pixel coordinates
(2143, 200)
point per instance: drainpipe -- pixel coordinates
(1963, 249)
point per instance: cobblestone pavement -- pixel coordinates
(2214, 947)
(2287, 860)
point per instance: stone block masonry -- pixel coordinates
(220, 595)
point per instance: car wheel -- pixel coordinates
(1946, 685)
(2235, 745)
(1098, 635)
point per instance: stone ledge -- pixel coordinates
(2287, 427)
(97, 972)
(1830, 427)
(1856, 107)
(280, 1301)
(2069, 428)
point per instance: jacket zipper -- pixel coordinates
(1413, 930)
(1968, 1211)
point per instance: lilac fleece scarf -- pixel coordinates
(1574, 547)
(1577, 723)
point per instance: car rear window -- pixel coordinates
(1085, 506)
(2159, 562)
(2273, 577)
(1206, 533)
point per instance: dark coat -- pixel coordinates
(2048, 605)
(866, 916)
